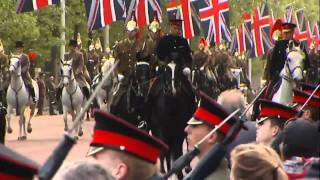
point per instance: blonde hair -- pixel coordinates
(256, 161)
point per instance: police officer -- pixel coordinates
(126, 50)
(78, 69)
(173, 47)
(278, 56)
(25, 66)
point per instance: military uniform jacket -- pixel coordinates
(149, 51)
(126, 52)
(77, 66)
(25, 65)
(278, 56)
(169, 45)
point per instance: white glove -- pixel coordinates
(186, 71)
(202, 68)
(120, 77)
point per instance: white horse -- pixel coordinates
(291, 73)
(19, 98)
(104, 96)
(72, 98)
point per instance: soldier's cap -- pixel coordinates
(19, 44)
(112, 132)
(210, 113)
(288, 27)
(270, 109)
(301, 97)
(155, 24)
(174, 20)
(15, 166)
(73, 43)
(309, 88)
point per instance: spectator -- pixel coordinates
(42, 92)
(256, 161)
(51, 94)
(83, 170)
(300, 150)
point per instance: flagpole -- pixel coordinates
(106, 37)
(63, 29)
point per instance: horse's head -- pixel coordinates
(141, 77)
(294, 61)
(67, 72)
(15, 65)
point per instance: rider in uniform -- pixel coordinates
(25, 66)
(78, 69)
(278, 55)
(173, 47)
(202, 55)
(126, 50)
(150, 44)
(4, 66)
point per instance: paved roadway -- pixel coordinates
(46, 134)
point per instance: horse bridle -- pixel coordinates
(293, 70)
(68, 76)
(16, 67)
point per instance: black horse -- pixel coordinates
(129, 100)
(171, 103)
(206, 81)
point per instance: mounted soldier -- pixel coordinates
(78, 67)
(150, 44)
(4, 75)
(126, 50)
(278, 55)
(25, 66)
(85, 57)
(94, 60)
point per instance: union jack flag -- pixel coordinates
(316, 36)
(183, 11)
(144, 10)
(288, 13)
(261, 24)
(33, 5)
(103, 12)
(303, 31)
(243, 34)
(215, 21)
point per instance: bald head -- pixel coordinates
(231, 100)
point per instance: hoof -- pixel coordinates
(80, 133)
(9, 130)
(76, 138)
(24, 138)
(29, 129)
(188, 169)
(65, 128)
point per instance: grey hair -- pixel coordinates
(84, 170)
(231, 100)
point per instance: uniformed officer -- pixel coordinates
(25, 65)
(126, 50)
(78, 69)
(4, 66)
(85, 58)
(276, 63)
(173, 47)
(124, 150)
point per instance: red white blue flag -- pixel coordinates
(243, 34)
(33, 5)
(215, 21)
(303, 31)
(104, 12)
(144, 11)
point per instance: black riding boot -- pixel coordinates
(31, 92)
(86, 92)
